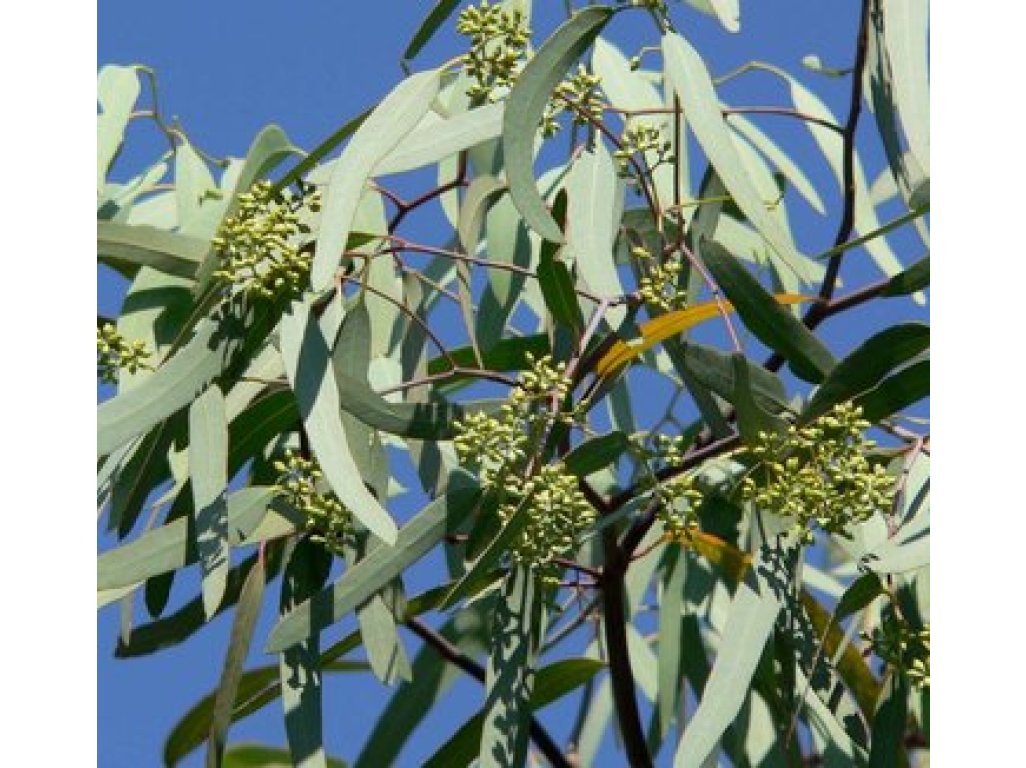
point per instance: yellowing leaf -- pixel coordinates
(663, 327)
(730, 559)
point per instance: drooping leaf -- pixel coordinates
(596, 453)
(904, 388)
(130, 247)
(250, 601)
(381, 565)
(439, 139)
(208, 466)
(396, 115)
(753, 612)
(866, 366)
(752, 419)
(913, 279)
(510, 676)
(117, 89)
(727, 12)
(310, 372)
(526, 103)
(691, 82)
(669, 665)
(889, 723)
(772, 325)
(668, 325)
(906, 34)
(300, 665)
(169, 547)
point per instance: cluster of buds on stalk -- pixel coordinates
(582, 94)
(820, 474)
(299, 484)
(658, 286)
(904, 648)
(498, 48)
(677, 498)
(642, 139)
(260, 245)
(115, 353)
(501, 449)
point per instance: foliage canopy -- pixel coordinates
(652, 484)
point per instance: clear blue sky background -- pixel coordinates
(226, 70)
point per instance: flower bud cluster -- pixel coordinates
(328, 521)
(820, 473)
(905, 649)
(582, 93)
(658, 287)
(678, 497)
(500, 450)
(114, 353)
(259, 247)
(498, 48)
(640, 139)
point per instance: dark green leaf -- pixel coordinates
(506, 355)
(913, 279)
(558, 291)
(887, 748)
(865, 367)
(752, 420)
(907, 387)
(429, 26)
(715, 370)
(526, 103)
(596, 453)
(771, 323)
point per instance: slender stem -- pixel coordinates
(545, 743)
(784, 112)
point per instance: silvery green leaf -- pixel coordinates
(117, 89)
(436, 139)
(208, 464)
(727, 12)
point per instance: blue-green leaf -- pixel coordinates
(396, 115)
(311, 375)
(525, 106)
(208, 467)
(510, 677)
(117, 89)
(438, 139)
(130, 247)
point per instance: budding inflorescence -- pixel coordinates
(642, 139)
(498, 48)
(904, 648)
(678, 498)
(115, 353)
(327, 520)
(658, 286)
(501, 448)
(582, 94)
(259, 247)
(820, 473)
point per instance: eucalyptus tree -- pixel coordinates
(641, 476)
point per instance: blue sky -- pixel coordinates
(228, 69)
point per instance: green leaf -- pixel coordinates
(595, 209)
(270, 147)
(506, 355)
(510, 676)
(429, 26)
(246, 615)
(906, 34)
(866, 366)
(300, 665)
(169, 547)
(126, 247)
(315, 156)
(913, 279)
(668, 660)
(906, 387)
(727, 12)
(715, 370)
(257, 756)
(752, 419)
(310, 372)
(381, 565)
(596, 453)
(888, 743)
(439, 139)
(117, 89)
(208, 353)
(558, 290)
(509, 245)
(193, 186)
(551, 683)
(526, 103)
(396, 115)
(773, 325)
(694, 87)
(753, 612)
(208, 468)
